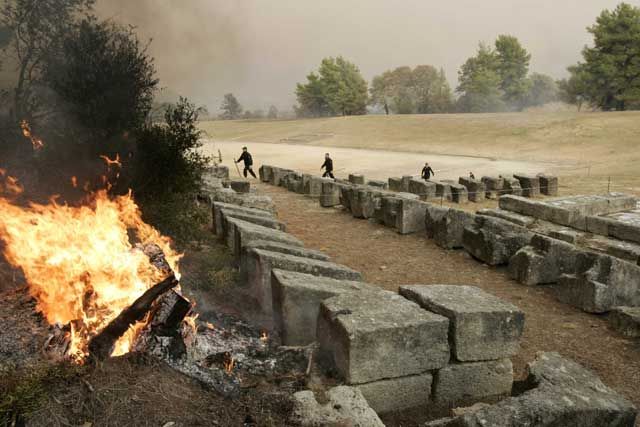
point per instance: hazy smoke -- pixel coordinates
(259, 49)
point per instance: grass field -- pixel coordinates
(598, 144)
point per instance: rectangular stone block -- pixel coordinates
(512, 186)
(240, 186)
(219, 171)
(494, 241)
(296, 302)
(548, 185)
(227, 195)
(315, 186)
(475, 188)
(406, 179)
(443, 191)
(459, 193)
(530, 185)
(379, 184)
(482, 326)
(516, 218)
(425, 189)
(365, 202)
(264, 172)
(271, 223)
(446, 226)
(277, 175)
(395, 184)
(625, 320)
(260, 263)
(397, 394)
(218, 223)
(340, 406)
(356, 179)
(494, 186)
(463, 384)
(245, 232)
(330, 194)
(544, 261)
(370, 336)
(410, 216)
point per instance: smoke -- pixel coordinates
(259, 49)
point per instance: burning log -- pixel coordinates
(101, 346)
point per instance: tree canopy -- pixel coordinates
(479, 84)
(231, 108)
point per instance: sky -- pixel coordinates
(259, 49)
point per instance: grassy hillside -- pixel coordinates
(608, 142)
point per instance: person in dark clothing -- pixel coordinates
(248, 162)
(328, 167)
(471, 175)
(427, 172)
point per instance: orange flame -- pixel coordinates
(114, 162)
(26, 131)
(229, 363)
(74, 182)
(79, 261)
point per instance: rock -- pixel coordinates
(544, 261)
(218, 223)
(219, 171)
(518, 219)
(410, 216)
(240, 186)
(345, 406)
(494, 241)
(229, 196)
(315, 186)
(482, 326)
(446, 225)
(397, 394)
(296, 302)
(371, 336)
(245, 232)
(264, 172)
(467, 383)
(378, 184)
(259, 264)
(287, 249)
(253, 219)
(562, 393)
(494, 187)
(626, 320)
(530, 185)
(395, 184)
(475, 188)
(512, 186)
(548, 184)
(459, 193)
(433, 216)
(356, 179)
(330, 194)
(278, 174)
(425, 189)
(406, 179)
(443, 190)
(345, 196)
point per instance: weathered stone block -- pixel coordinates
(253, 219)
(287, 249)
(433, 216)
(425, 189)
(459, 193)
(626, 320)
(548, 185)
(397, 394)
(406, 179)
(443, 190)
(494, 186)
(482, 326)
(516, 218)
(512, 186)
(345, 196)
(259, 264)
(356, 179)
(341, 406)
(475, 188)
(218, 223)
(315, 185)
(468, 383)
(563, 394)
(446, 225)
(245, 232)
(278, 174)
(365, 202)
(530, 185)
(264, 173)
(378, 184)
(330, 194)
(227, 195)
(395, 184)
(410, 216)
(494, 241)
(544, 261)
(219, 171)
(371, 336)
(296, 302)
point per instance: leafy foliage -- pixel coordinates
(231, 108)
(512, 66)
(542, 90)
(480, 84)
(574, 89)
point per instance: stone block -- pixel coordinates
(218, 223)
(395, 184)
(406, 179)
(229, 196)
(366, 201)
(253, 219)
(443, 190)
(494, 186)
(345, 196)
(482, 326)
(397, 394)
(548, 185)
(469, 383)
(356, 179)
(287, 249)
(530, 185)
(259, 264)
(494, 241)
(264, 173)
(516, 218)
(410, 216)
(245, 232)
(378, 184)
(459, 193)
(544, 261)
(293, 183)
(219, 171)
(446, 225)
(330, 194)
(315, 186)
(296, 302)
(512, 186)
(433, 216)
(475, 188)
(277, 175)
(425, 189)
(371, 336)
(341, 406)
(626, 320)
(562, 394)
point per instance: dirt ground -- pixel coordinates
(389, 260)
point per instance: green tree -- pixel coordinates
(312, 99)
(231, 108)
(432, 91)
(574, 89)
(479, 84)
(512, 66)
(542, 90)
(612, 65)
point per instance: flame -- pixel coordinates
(74, 182)
(114, 162)
(26, 131)
(79, 262)
(229, 363)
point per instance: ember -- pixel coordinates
(26, 131)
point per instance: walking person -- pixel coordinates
(328, 167)
(427, 172)
(248, 162)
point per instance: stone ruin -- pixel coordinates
(431, 347)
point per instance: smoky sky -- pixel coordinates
(259, 49)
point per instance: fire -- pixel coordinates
(26, 131)
(80, 263)
(114, 162)
(229, 363)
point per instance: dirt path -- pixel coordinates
(389, 260)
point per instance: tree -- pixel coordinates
(104, 77)
(37, 28)
(542, 90)
(574, 89)
(432, 91)
(480, 85)
(512, 66)
(612, 66)
(337, 89)
(273, 113)
(231, 108)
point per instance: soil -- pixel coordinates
(389, 260)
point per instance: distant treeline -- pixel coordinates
(495, 79)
